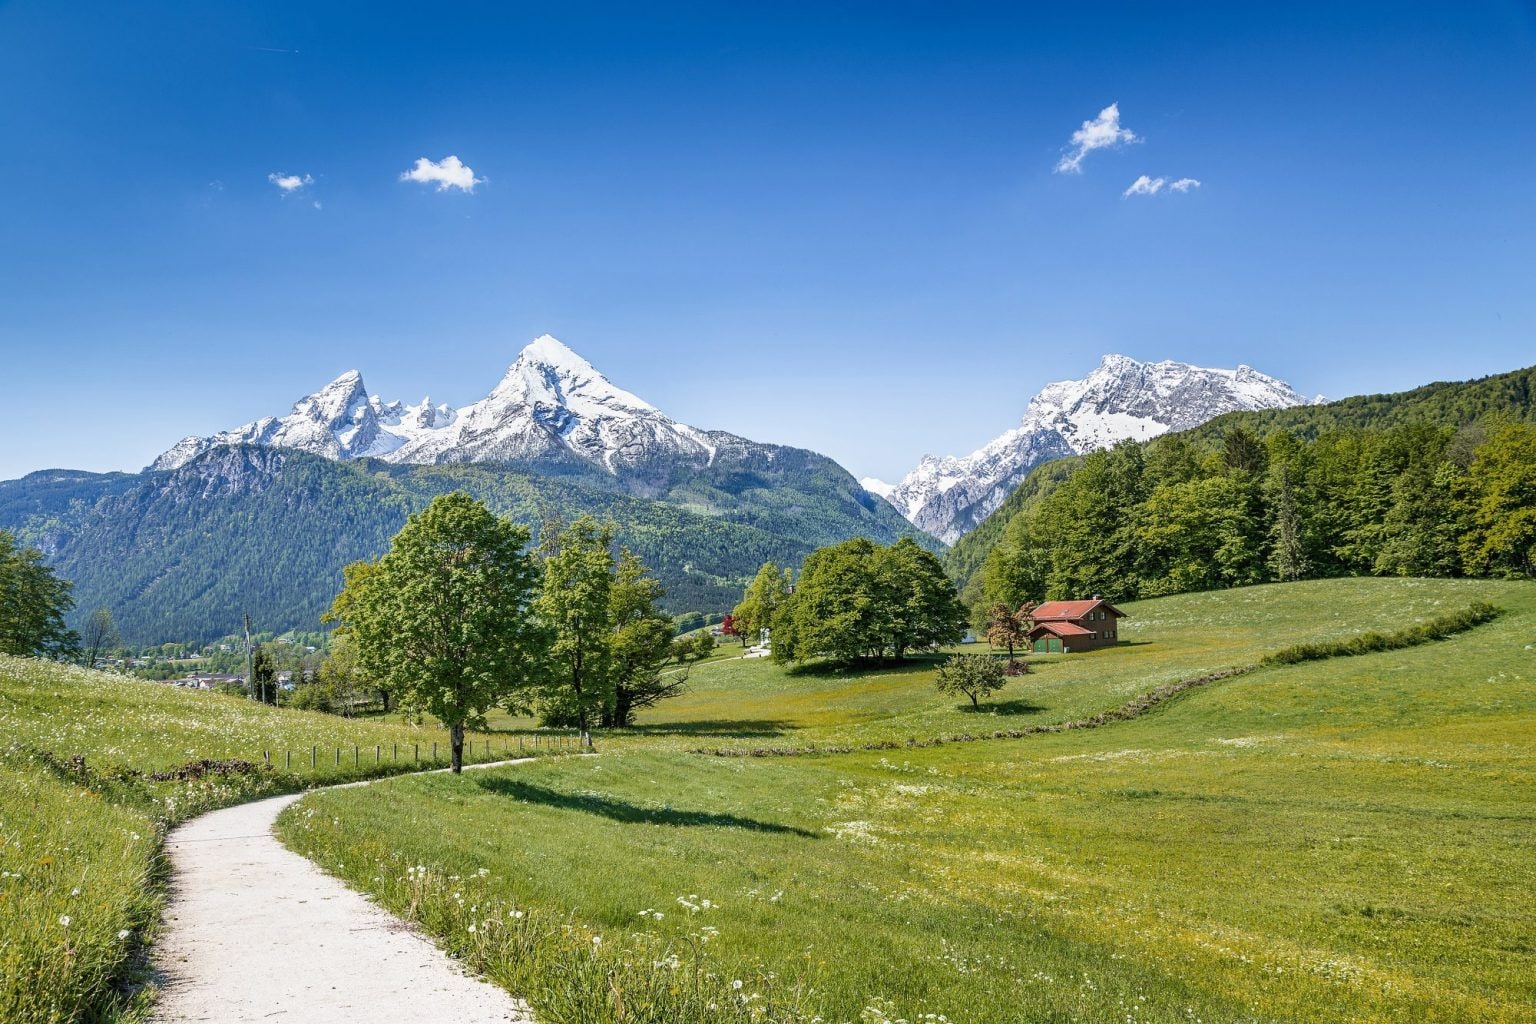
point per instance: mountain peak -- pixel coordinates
(548, 374)
(1122, 399)
(550, 405)
(551, 351)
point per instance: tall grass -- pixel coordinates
(94, 769)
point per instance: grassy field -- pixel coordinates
(80, 839)
(1342, 840)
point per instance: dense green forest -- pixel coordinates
(1176, 514)
(1504, 397)
(179, 555)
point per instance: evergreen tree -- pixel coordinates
(263, 681)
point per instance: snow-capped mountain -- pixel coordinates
(552, 405)
(1122, 399)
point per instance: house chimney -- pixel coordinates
(1098, 597)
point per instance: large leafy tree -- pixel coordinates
(642, 643)
(860, 600)
(33, 603)
(916, 602)
(442, 620)
(1499, 498)
(765, 594)
(576, 604)
(833, 612)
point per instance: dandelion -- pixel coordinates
(597, 940)
(736, 984)
(64, 920)
(123, 935)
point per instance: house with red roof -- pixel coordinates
(1066, 626)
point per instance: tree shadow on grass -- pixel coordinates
(866, 667)
(740, 728)
(628, 813)
(1004, 707)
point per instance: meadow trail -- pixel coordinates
(254, 932)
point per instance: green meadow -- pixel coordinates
(81, 820)
(1351, 839)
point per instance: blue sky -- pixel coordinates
(834, 225)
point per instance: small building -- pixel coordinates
(1066, 626)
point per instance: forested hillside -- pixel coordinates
(181, 554)
(1436, 481)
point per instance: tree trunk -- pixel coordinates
(456, 742)
(974, 703)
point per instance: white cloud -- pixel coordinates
(449, 172)
(1145, 186)
(290, 182)
(1103, 132)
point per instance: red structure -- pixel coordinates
(1065, 626)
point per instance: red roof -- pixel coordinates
(1059, 610)
(1062, 629)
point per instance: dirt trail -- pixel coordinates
(254, 932)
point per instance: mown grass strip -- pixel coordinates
(1439, 628)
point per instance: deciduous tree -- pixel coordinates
(575, 603)
(642, 642)
(443, 618)
(975, 675)
(1006, 627)
(98, 636)
(33, 603)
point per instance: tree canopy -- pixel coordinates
(33, 603)
(442, 620)
(1171, 515)
(859, 600)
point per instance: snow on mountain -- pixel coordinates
(874, 485)
(1121, 399)
(551, 405)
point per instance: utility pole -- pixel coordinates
(250, 673)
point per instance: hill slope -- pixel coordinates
(1508, 396)
(1337, 841)
(180, 554)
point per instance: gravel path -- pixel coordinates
(254, 932)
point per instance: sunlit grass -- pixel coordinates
(1345, 840)
(78, 842)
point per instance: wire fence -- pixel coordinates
(476, 751)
